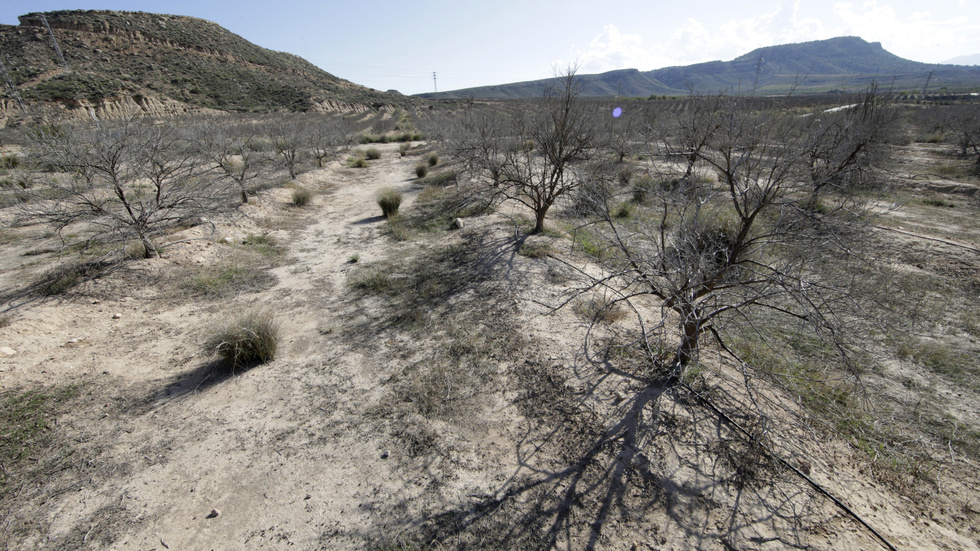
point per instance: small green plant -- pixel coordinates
(227, 279)
(389, 200)
(372, 154)
(357, 162)
(301, 196)
(403, 148)
(264, 244)
(26, 419)
(354, 258)
(433, 159)
(251, 338)
(421, 170)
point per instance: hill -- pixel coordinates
(818, 66)
(164, 62)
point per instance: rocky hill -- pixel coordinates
(126, 61)
(818, 66)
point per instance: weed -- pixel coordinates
(441, 178)
(357, 162)
(4, 321)
(421, 170)
(354, 258)
(264, 244)
(227, 279)
(623, 210)
(372, 154)
(61, 279)
(373, 280)
(595, 309)
(433, 159)
(26, 421)
(936, 202)
(389, 200)
(403, 149)
(251, 338)
(301, 196)
(535, 250)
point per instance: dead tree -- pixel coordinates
(129, 179)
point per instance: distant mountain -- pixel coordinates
(973, 59)
(819, 66)
(148, 61)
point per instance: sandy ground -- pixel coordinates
(310, 452)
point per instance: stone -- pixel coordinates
(7, 351)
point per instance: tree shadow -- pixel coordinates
(660, 469)
(369, 220)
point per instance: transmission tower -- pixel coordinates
(54, 41)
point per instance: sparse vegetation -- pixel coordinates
(389, 200)
(301, 196)
(250, 338)
(421, 170)
(372, 153)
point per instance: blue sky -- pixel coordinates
(399, 44)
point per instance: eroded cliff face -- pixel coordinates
(129, 63)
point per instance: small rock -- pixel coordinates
(96, 301)
(384, 454)
(7, 351)
(456, 224)
(214, 513)
(308, 496)
(116, 316)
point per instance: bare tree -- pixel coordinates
(128, 178)
(289, 134)
(844, 145)
(712, 255)
(536, 155)
(233, 146)
(964, 122)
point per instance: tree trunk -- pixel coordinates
(539, 215)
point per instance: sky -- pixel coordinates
(400, 44)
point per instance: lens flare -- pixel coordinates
(617, 112)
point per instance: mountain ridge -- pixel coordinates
(815, 66)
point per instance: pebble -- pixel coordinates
(116, 316)
(7, 351)
(214, 513)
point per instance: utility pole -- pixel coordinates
(434, 87)
(54, 41)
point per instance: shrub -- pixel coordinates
(251, 338)
(403, 149)
(433, 159)
(9, 161)
(357, 163)
(421, 170)
(389, 200)
(372, 153)
(301, 196)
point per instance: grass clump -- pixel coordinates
(250, 338)
(389, 200)
(372, 154)
(421, 170)
(228, 279)
(357, 162)
(301, 196)
(535, 250)
(433, 159)
(136, 250)
(403, 149)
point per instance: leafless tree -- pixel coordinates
(290, 136)
(233, 146)
(844, 145)
(713, 255)
(129, 178)
(536, 155)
